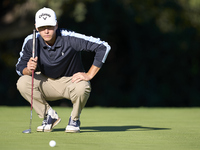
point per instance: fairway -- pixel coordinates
(105, 129)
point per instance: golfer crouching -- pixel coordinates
(59, 71)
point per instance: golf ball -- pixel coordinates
(52, 143)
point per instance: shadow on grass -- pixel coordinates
(115, 128)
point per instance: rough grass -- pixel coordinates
(105, 128)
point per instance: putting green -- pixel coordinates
(105, 128)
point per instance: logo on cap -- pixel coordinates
(44, 16)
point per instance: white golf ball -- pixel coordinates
(52, 143)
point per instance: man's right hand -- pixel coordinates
(31, 65)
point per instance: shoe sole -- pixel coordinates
(72, 131)
(54, 124)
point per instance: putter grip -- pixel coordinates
(33, 50)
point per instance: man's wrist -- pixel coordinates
(26, 71)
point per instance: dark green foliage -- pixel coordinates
(154, 60)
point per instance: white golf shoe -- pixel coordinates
(73, 126)
(49, 122)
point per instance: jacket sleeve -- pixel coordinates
(82, 42)
(25, 55)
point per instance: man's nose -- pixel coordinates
(46, 30)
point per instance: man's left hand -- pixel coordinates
(80, 76)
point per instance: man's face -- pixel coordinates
(48, 33)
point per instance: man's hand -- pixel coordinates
(31, 65)
(80, 76)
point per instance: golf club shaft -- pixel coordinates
(33, 55)
(31, 99)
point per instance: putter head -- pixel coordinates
(27, 131)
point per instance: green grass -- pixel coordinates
(105, 128)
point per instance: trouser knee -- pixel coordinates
(83, 88)
(23, 83)
(80, 91)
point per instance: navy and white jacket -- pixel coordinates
(64, 57)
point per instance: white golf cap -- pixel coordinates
(45, 17)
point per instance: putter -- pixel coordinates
(33, 55)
